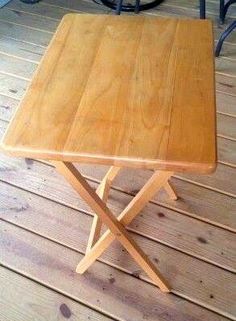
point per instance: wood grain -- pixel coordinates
(226, 147)
(210, 209)
(25, 251)
(41, 180)
(226, 126)
(226, 103)
(128, 118)
(27, 39)
(22, 299)
(87, 193)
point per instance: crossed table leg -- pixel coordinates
(116, 226)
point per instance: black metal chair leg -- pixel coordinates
(136, 9)
(30, 1)
(202, 9)
(222, 16)
(224, 35)
(226, 7)
(119, 7)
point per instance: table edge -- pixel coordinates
(155, 164)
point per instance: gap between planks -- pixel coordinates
(29, 27)
(51, 293)
(12, 8)
(106, 262)
(113, 265)
(157, 13)
(64, 293)
(119, 189)
(205, 186)
(100, 259)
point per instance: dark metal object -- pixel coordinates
(202, 9)
(224, 8)
(30, 1)
(119, 6)
(223, 11)
(131, 8)
(223, 36)
(137, 6)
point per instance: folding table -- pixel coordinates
(126, 92)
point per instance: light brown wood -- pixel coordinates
(134, 116)
(157, 181)
(216, 290)
(170, 191)
(94, 201)
(226, 147)
(102, 191)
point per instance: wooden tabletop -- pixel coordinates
(125, 90)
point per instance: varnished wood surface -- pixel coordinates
(131, 91)
(42, 213)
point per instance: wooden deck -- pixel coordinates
(45, 227)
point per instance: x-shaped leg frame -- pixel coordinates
(116, 226)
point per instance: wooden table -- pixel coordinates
(127, 92)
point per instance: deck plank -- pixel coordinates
(38, 258)
(43, 180)
(57, 12)
(41, 23)
(226, 151)
(8, 106)
(226, 126)
(223, 180)
(211, 7)
(12, 86)
(21, 49)
(209, 209)
(162, 228)
(226, 84)
(14, 66)
(24, 33)
(19, 207)
(32, 301)
(226, 103)
(41, 20)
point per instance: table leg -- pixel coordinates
(170, 191)
(117, 229)
(102, 191)
(155, 183)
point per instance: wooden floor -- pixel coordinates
(45, 227)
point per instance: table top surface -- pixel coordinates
(124, 90)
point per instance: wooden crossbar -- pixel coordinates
(155, 183)
(116, 226)
(102, 191)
